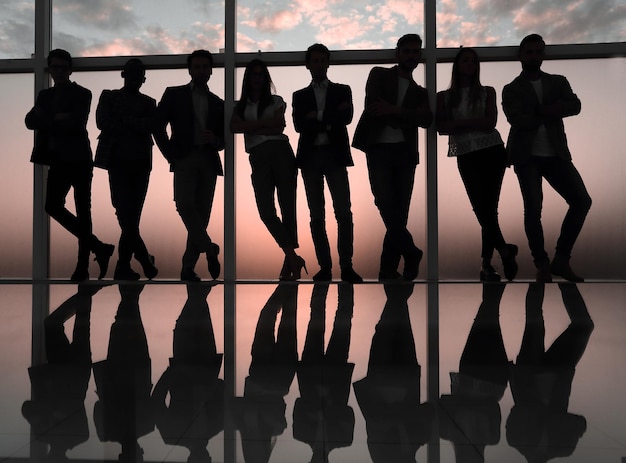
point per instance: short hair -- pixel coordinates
(529, 39)
(316, 48)
(199, 54)
(60, 54)
(408, 38)
(134, 64)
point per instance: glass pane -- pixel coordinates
(140, 27)
(355, 25)
(161, 226)
(17, 29)
(492, 22)
(596, 152)
(258, 256)
(16, 176)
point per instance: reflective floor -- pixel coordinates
(437, 373)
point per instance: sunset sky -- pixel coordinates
(112, 27)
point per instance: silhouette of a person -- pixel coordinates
(196, 119)
(467, 113)
(195, 410)
(260, 413)
(56, 411)
(395, 106)
(322, 417)
(539, 425)
(397, 423)
(260, 116)
(126, 118)
(123, 412)
(470, 415)
(535, 104)
(61, 142)
(321, 112)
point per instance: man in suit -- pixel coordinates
(395, 106)
(535, 104)
(61, 142)
(126, 118)
(321, 112)
(196, 119)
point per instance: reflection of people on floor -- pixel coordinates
(539, 425)
(56, 411)
(123, 381)
(470, 416)
(194, 412)
(321, 416)
(389, 396)
(260, 413)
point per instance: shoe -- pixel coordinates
(81, 273)
(187, 274)
(389, 275)
(125, 272)
(544, 275)
(296, 268)
(509, 265)
(149, 270)
(350, 276)
(103, 255)
(325, 274)
(412, 264)
(213, 263)
(560, 267)
(489, 274)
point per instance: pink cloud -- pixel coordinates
(277, 22)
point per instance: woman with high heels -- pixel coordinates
(467, 113)
(260, 116)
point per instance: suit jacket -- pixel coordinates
(65, 139)
(126, 121)
(520, 105)
(383, 83)
(176, 109)
(334, 122)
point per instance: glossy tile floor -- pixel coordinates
(447, 372)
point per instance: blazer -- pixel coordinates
(126, 121)
(334, 122)
(66, 139)
(383, 83)
(176, 109)
(520, 105)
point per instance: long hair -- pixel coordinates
(266, 92)
(475, 89)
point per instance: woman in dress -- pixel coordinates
(260, 116)
(467, 113)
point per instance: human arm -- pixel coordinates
(273, 125)
(448, 125)
(565, 102)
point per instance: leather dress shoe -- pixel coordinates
(350, 276)
(325, 274)
(560, 266)
(125, 272)
(213, 262)
(489, 274)
(80, 274)
(412, 264)
(509, 264)
(389, 275)
(103, 255)
(544, 275)
(187, 274)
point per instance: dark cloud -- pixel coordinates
(110, 15)
(17, 30)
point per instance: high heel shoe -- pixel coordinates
(294, 268)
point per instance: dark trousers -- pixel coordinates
(323, 165)
(566, 181)
(129, 184)
(392, 173)
(482, 172)
(195, 178)
(62, 177)
(274, 172)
